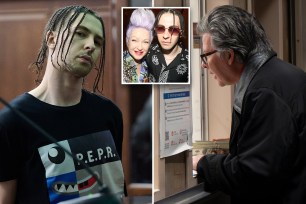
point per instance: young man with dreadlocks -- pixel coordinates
(168, 59)
(35, 170)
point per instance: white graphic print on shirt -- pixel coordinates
(67, 179)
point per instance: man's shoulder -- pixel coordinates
(97, 100)
(185, 50)
(19, 103)
(154, 48)
(95, 97)
(277, 71)
(281, 78)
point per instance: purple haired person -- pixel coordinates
(139, 36)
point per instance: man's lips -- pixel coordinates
(86, 58)
(166, 43)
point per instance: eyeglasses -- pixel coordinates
(174, 30)
(204, 56)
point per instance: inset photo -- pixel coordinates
(155, 45)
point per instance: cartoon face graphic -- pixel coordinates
(67, 178)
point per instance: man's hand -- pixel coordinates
(195, 160)
(8, 191)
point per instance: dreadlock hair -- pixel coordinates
(177, 13)
(66, 16)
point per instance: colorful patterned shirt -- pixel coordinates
(129, 70)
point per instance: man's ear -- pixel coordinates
(51, 39)
(230, 57)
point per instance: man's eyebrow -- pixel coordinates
(87, 30)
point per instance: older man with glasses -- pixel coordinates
(266, 162)
(168, 59)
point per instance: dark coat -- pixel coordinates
(267, 159)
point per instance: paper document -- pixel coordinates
(175, 119)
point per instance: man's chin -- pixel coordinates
(221, 84)
(167, 48)
(82, 73)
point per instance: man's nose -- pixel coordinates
(90, 45)
(167, 34)
(204, 65)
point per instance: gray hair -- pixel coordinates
(233, 28)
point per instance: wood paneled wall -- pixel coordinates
(21, 28)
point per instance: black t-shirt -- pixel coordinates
(92, 130)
